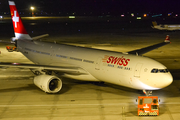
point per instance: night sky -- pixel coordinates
(97, 6)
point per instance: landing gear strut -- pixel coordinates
(147, 92)
(41, 72)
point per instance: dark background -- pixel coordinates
(95, 7)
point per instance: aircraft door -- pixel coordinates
(138, 70)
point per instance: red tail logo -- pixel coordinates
(20, 31)
(17, 23)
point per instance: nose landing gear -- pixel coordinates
(147, 92)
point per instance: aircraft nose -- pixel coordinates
(166, 80)
(159, 81)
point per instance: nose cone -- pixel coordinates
(167, 79)
(158, 81)
(162, 80)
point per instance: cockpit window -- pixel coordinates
(159, 70)
(154, 70)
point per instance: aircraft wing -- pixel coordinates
(6, 42)
(2, 41)
(39, 37)
(33, 38)
(150, 48)
(63, 69)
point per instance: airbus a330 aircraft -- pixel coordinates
(87, 64)
(165, 26)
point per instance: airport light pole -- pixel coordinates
(32, 8)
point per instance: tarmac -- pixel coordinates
(20, 99)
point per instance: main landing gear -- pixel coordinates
(41, 72)
(147, 92)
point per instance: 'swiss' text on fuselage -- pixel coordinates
(116, 60)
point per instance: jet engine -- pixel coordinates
(48, 83)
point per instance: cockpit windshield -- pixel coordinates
(159, 70)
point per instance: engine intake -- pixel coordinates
(48, 83)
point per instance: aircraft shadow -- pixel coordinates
(68, 84)
(104, 87)
(124, 91)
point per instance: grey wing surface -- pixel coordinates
(64, 69)
(149, 48)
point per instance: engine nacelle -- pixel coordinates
(48, 83)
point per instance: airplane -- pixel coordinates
(165, 26)
(52, 60)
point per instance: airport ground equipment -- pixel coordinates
(148, 105)
(11, 49)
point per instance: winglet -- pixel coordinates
(19, 30)
(167, 39)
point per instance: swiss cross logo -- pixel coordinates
(15, 19)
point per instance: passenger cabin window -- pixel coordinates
(159, 70)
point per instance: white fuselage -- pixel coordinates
(112, 67)
(167, 27)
